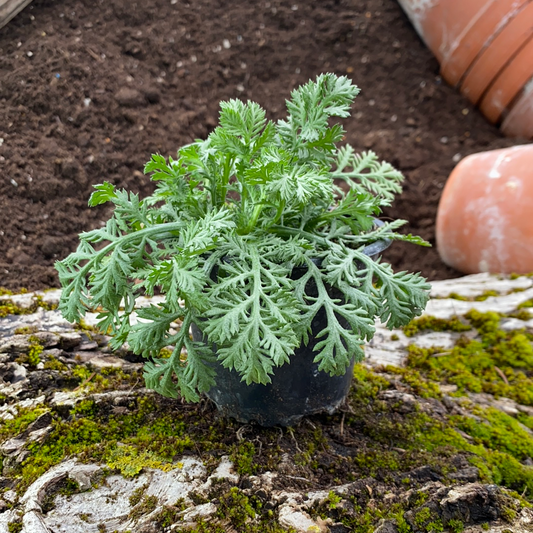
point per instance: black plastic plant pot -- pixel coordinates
(297, 389)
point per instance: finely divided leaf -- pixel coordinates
(252, 315)
(104, 192)
(347, 325)
(188, 374)
(365, 172)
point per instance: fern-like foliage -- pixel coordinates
(248, 235)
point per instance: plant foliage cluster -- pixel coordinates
(231, 218)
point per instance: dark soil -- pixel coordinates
(89, 89)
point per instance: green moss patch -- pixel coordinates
(435, 324)
(8, 307)
(500, 363)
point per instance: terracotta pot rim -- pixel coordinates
(497, 55)
(500, 94)
(479, 35)
(518, 120)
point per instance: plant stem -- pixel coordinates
(164, 229)
(280, 230)
(253, 219)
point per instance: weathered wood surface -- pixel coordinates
(95, 504)
(9, 8)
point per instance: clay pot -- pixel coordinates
(484, 219)
(508, 84)
(486, 48)
(519, 122)
(442, 24)
(479, 35)
(495, 57)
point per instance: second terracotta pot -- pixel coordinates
(485, 215)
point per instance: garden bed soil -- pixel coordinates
(88, 90)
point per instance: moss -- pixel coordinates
(33, 357)
(501, 363)
(422, 516)
(333, 500)
(137, 495)
(526, 304)
(81, 325)
(169, 515)
(165, 353)
(521, 314)
(372, 462)
(94, 381)
(34, 352)
(14, 526)
(130, 461)
(496, 430)
(487, 294)
(242, 456)
(435, 324)
(456, 296)
(8, 307)
(419, 499)
(502, 467)
(26, 330)
(150, 439)
(420, 386)
(52, 363)
(235, 512)
(479, 298)
(145, 506)
(372, 437)
(67, 487)
(361, 514)
(525, 420)
(455, 526)
(236, 507)
(307, 450)
(10, 428)
(367, 384)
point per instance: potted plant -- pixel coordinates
(264, 238)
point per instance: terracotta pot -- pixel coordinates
(508, 84)
(486, 48)
(495, 57)
(442, 24)
(519, 122)
(477, 36)
(484, 219)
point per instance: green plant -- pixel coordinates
(229, 222)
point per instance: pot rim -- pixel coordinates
(378, 246)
